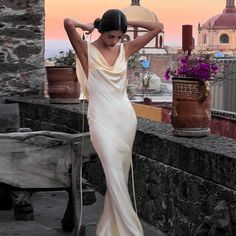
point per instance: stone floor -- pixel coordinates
(49, 208)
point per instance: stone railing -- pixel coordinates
(184, 186)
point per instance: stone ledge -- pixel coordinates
(41, 114)
(211, 157)
(175, 201)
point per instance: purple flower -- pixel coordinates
(167, 74)
(201, 67)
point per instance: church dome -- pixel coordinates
(137, 12)
(225, 20)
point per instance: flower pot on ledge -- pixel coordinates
(191, 107)
(63, 85)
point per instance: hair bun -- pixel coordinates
(97, 23)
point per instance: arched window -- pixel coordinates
(204, 39)
(224, 38)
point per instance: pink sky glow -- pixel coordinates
(172, 13)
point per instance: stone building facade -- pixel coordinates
(219, 32)
(158, 56)
(22, 69)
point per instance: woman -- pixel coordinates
(112, 120)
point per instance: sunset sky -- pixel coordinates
(172, 13)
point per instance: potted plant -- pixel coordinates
(191, 106)
(63, 85)
(134, 61)
(145, 84)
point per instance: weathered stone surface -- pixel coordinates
(55, 117)
(22, 48)
(211, 157)
(22, 83)
(18, 5)
(24, 51)
(24, 18)
(218, 223)
(23, 69)
(9, 118)
(22, 33)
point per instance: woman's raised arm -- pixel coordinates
(79, 45)
(135, 45)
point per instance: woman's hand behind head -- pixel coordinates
(89, 28)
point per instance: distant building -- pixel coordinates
(137, 12)
(219, 32)
(157, 56)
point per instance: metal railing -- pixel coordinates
(224, 93)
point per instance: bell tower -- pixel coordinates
(230, 3)
(230, 7)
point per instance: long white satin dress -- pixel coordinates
(112, 124)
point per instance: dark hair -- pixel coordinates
(112, 19)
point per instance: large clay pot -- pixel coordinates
(191, 107)
(63, 85)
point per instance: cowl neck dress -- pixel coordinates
(112, 124)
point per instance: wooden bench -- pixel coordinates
(47, 160)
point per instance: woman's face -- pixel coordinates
(111, 38)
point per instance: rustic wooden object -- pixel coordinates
(45, 160)
(20, 201)
(76, 185)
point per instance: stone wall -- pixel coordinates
(184, 186)
(22, 47)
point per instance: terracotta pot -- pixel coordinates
(191, 107)
(63, 85)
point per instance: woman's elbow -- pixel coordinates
(160, 26)
(67, 22)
